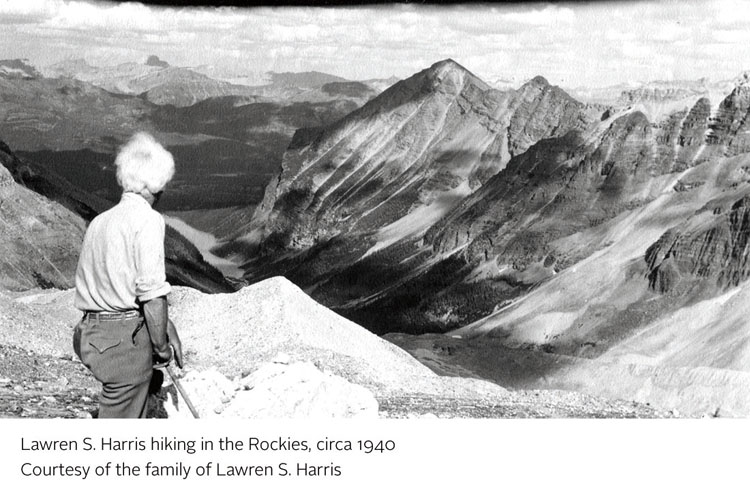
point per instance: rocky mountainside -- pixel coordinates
(541, 233)
(355, 199)
(643, 303)
(416, 150)
(372, 217)
(712, 246)
(39, 238)
(58, 222)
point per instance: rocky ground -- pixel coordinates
(44, 386)
(267, 350)
(34, 385)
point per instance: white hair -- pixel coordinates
(144, 165)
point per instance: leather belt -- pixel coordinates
(112, 316)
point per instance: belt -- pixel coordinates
(112, 316)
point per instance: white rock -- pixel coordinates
(297, 390)
(206, 389)
(300, 390)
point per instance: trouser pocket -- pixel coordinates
(114, 351)
(103, 344)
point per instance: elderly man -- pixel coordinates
(121, 285)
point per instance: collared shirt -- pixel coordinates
(122, 258)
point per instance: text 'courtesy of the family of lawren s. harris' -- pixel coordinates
(170, 456)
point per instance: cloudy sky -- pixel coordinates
(571, 44)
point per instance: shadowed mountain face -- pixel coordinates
(57, 222)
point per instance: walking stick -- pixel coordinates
(182, 391)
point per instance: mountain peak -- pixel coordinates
(447, 62)
(18, 68)
(742, 80)
(154, 60)
(449, 66)
(539, 84)
(540, 80)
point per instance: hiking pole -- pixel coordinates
(182, 391)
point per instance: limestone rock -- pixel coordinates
(300, 390)
(711, 247)
(207, 389)
(729, 128)
(274, 390)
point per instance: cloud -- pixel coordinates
(549, 16)
(595, 43)
(299, 33)
(117, 17)
(26, 12)
(731, 36)
(731, 12)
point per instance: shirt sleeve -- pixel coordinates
(151, 278)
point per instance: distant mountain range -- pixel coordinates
(228, 139)
(160, 83)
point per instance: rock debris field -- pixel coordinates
(266, 351)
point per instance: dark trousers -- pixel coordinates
(118, 352)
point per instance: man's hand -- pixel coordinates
(162, 359)
(175, 343)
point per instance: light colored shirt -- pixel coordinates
(122, 258)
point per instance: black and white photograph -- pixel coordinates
(379, 211)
